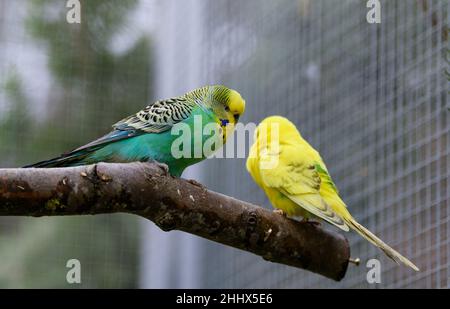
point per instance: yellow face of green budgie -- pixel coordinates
(228, 105)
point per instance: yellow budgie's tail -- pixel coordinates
(397, 257)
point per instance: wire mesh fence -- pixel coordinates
(373, 98)
(62, 85)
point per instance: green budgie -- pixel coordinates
(147, 135)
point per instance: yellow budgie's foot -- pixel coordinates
(279, 212)
(312, 222)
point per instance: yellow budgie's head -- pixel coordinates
(275, 129)
(270, 134)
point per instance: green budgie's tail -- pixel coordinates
(70, 159)
(77, 156)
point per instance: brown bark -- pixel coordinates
(145, 189)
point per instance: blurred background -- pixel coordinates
(373, 98)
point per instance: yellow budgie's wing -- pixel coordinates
(324, 176)
(297, 177)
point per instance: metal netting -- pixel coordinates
(372, 98)
(62, 85)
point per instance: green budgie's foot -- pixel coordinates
(279, 212)
(164, 167)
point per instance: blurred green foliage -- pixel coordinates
(15, 122)
(92, 88)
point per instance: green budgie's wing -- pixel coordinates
(297, 178)
(159, 116)
(155, 118)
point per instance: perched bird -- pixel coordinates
(296, 180)
(147, 135)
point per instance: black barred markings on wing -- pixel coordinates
(159, 115)
(163, 114)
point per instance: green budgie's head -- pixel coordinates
(227, 104)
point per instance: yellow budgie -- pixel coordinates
(296, 180)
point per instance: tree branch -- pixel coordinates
(145, 189)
